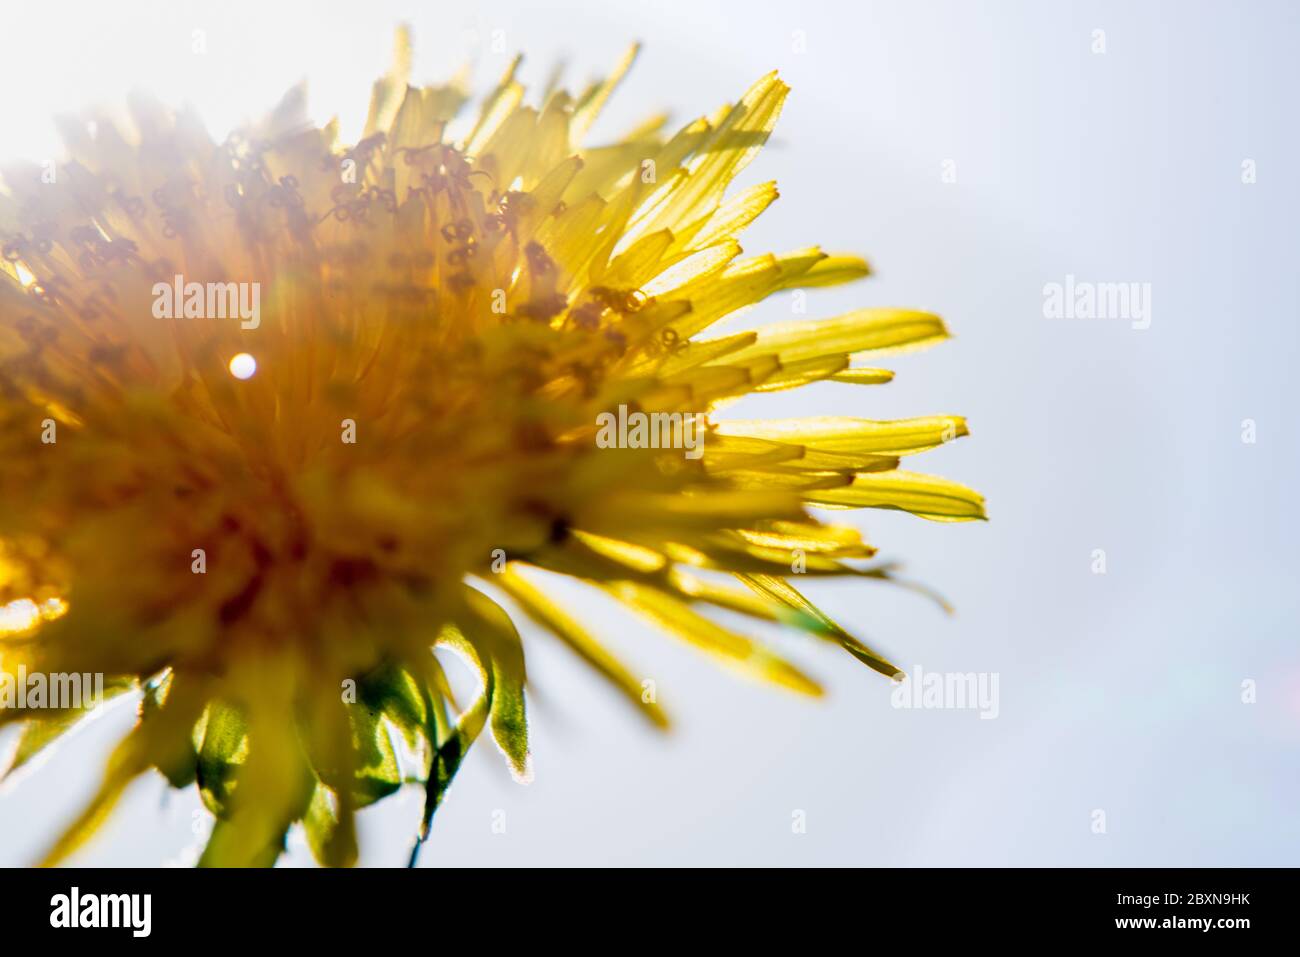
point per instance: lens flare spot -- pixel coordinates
(243, 366)
(18, 615)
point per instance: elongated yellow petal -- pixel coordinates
(741, 284)
(797, 480)
(735, 215)
(692, 354)
(733, 649)
(496, 109)
(557, 621)
(727, 151)
(864, 376)
(925, 495)
(687, 511)
(831, 270)
(792, 375)
(725, 452)
(694, 268)
(589, 106)
(841, 434)
(865, 330)
(832, 540)
(388, 92)
(781, 590)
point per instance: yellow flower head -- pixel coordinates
(279, 415)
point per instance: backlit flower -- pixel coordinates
(278, 415)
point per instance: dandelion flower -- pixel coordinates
(263, 520)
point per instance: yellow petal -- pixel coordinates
(781, 590)
(733, 649)
(865, 330)
(925, 495)
(842, 434)
(556, 620)
(864, 376)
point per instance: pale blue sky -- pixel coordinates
(1119, 692)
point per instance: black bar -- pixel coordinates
(731, 907)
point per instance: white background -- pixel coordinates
(1119, 692)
